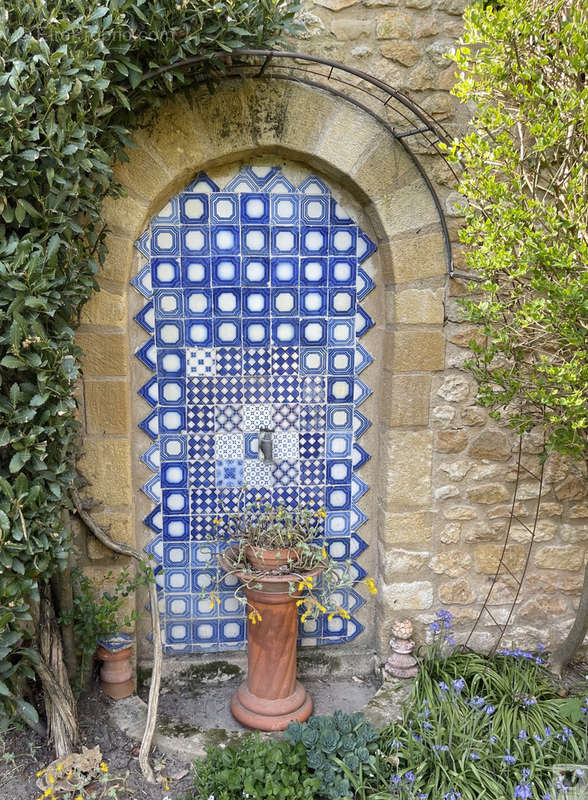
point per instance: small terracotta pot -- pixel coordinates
(116, 675)
(266, 558)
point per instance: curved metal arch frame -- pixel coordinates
(294, 66)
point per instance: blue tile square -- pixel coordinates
(146, 316)
(255, 240)
(154, 520)
(314, 209)
(286, 417)
(228, 418)
(224, 209)
(172, 392)
(165, 240)
(342, 271)
(313, 331)
(202, 526)
(171, 363)
(312, 445)
(343, 240)
(142, 281)
(285, 389)
(258, 494)
(194, 208)
(312, 417)
(284, 240)
(169, 333)
(286, 472)
(173, 448)
(201, 390)
(313, 301)
(228, 361)
(198, 332)
(225, 240)
(312, 389)
(285, 332)
(365, 246)
(341, 331)
(256, 302)
(313, 185)
(149, 391)
(339, 215)
(339, 445)
(284, 209)
(152, 489)
(312, 495)
(167, 302)
(228, 390)
(255, 208)
(226, 301)
(256, 360)
(314, 240)
(285, 271)
(203, 501)
(313, 361)
(256, 390)
(169, 214)
(230, 499)
(151, 424)
(256, 331)
(312, 471)
(338, 498)
(196, 271)
(202, 474)
(165, 273)
(284, 360)
(176, 555)
(200, 362)
(342, 302)
(226, 271)
(251, 442)
(339, 470)
(360, 456)
(363, 322)
(178, 605)
(340, 418)
(201, 419)
(176, 581)
(341, 361)
(205, 632)
(313, 271)
(227, 332)
(285, 301)
(198, 303)
(340, 389)
(364, 284)
(175, 501)
(231, 630)
(255, 271)
(195, 240)
(339, 548)
(151, 458)
(288, 495)
(229, 472)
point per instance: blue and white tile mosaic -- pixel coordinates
(252, 308)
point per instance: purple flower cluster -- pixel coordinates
(523, 790)
(441, 628)
(523, 654)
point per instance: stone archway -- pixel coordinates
(362, 162)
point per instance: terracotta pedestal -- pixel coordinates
(271, 697)
(116, 674)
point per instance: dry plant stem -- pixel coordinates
(59, 699)
(123, 549)
(565, 652)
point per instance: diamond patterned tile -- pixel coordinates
(228, 418)
(256, 361)
(286, 416)
(286, 472)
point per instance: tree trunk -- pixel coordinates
(63, 593)
(60, 704)
(565, 652)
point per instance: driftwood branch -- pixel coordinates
(124, 549)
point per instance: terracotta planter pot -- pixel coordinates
(271, 697)
(265, 558)
(116, 675)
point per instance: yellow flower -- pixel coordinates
(216, 521)
(372, 588)
(51, 778)
(254, 616)
(40, 772)
(103, 767)
(59, 767)
(79, 797)
(324, 552)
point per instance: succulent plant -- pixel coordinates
(347, 738)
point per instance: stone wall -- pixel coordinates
(446, 472)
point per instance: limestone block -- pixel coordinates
(415, 595)
(453, 563)
(416, 350)
(335, 5)
(425, 26)
(423, 76)
(540, 607)
(400, 210)
(419, 305)
(502, 511)
(493, 445)
(327, 124)
(550, 582)
(460, 513)
(126, 215)
(483, 472)
(414, 528)
(572, 488)
(106, 406)
(349, 29)
(118, 262)
(488, 555)
(418, 3)
(451, 441)
(457, 470)
(446, 81)
(439, 105)
(450, 533)
(445, 492)
(462, 335)
(393, 25)
(544, 532)
(554, 510)
(403, 561)
(391, 182)
(444, 415)
(488, 493)
(456, 7)
(105, 354)
(573, 534)
(575, 512)
(409, 455)
(405, 400)
(484, 532)
(458, 591)
(503, 591)
(118, 525)
(105, 308)
(106, 464)
(405, 53)
(474, 415)
(455, 389)
(416, 257)
(143, 174)
(557, 468)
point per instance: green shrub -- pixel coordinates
(256, 769)
(337, 748)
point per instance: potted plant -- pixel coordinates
(281, 561)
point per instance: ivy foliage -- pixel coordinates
(75, 76)
(526, 182)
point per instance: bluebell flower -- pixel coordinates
(409, 777)
(523, 791)
(423, 796)
(477, 701)
(452, 795)
(565, 735)
(526, 773)
(440, 748)
(443, 687)
(416, 738)
(546, 796)
(474, 756)
(508, 758)
(459, 684)
(427, 726)
(523, 734)
(396, 779)
(547, 732)
(529, 701)
(538, 738)
(492, 739)
(489, 709)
